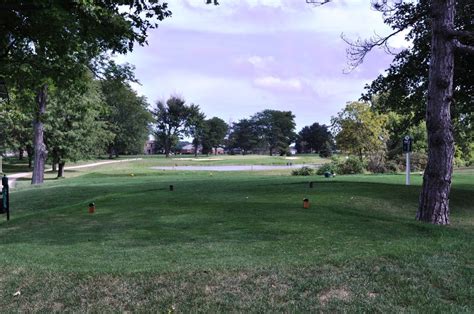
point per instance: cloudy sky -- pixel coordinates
(245, 56)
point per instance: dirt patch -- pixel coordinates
(337, 294)
(292, 158)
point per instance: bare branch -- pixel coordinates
(462, 47)
(359, 48)
(318, 2)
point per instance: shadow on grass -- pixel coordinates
(147, 213)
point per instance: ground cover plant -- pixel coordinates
(233, 241)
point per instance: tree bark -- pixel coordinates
(434, 197)
(21, 154)
(40, 153)
(61, 169)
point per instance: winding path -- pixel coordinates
(13, 177)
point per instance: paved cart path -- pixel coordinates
(13, 177)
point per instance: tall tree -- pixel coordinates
(52, 42)
(359, 130)
(447, 39)
(244, 135)
(74, 127)
(214, 133)
(173, 120)
(197, 127)
(127, 113)
(313, 138)
(15, 119)
(276, 129)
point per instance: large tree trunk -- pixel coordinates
(61, 169)
(40, 148)
(434, 198)
(21, 154)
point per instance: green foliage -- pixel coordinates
(350, 165)
(303, 171)
(16, 116)
(403, 87)
(330, 167)
(314, 138)
(214, 133)
(127, 115)
(244, 135)
(326, 150)
(173, 119)
(359, 130)
(418, 161)
(75, 128)
(275, 129)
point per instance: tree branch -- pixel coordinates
(318, 2)
(460, 34)
(462, 47)
(358, 49)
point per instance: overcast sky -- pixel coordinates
(245, 56)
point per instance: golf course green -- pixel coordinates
(233, 241)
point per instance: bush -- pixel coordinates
(303, 171)
(391, 166)
(418, 161)
(375, 164)
(327, 167)
(326, 150)
(351, 165)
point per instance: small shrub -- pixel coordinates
(391, 166)
(418, 161)
(375, 164)
(326, 150)
(351, 165)
(327, 167)
(303, 171)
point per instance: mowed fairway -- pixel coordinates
(236, 241)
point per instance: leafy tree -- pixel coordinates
(397, 127)
(53, 42)
(128, 116)
(214, 133)
(74, 128)
(275, 129)
(15, 119)
(313, 138)
(173, 120)
(197, 127)
(359, 130)
(244, 135)
(448, 37)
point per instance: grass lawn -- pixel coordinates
(233, 241)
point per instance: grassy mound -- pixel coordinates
(239, 241)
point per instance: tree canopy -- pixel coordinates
(172, 121)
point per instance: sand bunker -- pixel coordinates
(198, 159)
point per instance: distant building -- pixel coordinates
(149, 148)
(189, 149)
(217, 151)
